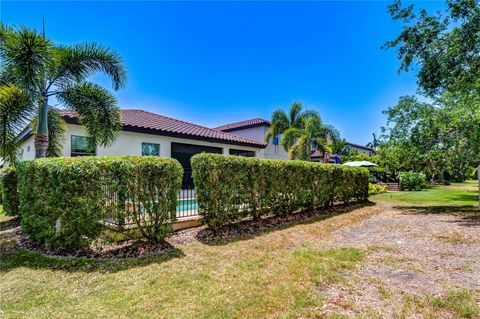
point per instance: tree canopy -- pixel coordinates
(437, 131)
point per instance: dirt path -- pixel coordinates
(419, 263)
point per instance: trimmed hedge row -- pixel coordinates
(229, 188)
(63, 201)
(8, 184)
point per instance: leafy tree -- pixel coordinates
(440, 139)
(301, 132)
(445, 46)
(34, 70)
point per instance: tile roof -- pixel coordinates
(316, 154)
(147, 122)
(242, 125)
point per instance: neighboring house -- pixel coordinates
(319, 156)
(255, 129)
(146, 133)
(360, 149)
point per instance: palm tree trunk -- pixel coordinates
(41, 136)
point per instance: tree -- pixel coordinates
(440, 139)
(34, 70)
(375, 143)
(302, 131)
(445, 46)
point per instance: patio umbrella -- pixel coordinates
(360, 163)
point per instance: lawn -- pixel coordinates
(282, 272)
(457, 194)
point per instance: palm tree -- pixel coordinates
(375, 143)
(302, 132)
(34, 70)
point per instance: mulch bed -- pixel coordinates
(240, 230)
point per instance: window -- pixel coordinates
(81, 147)
(150, 149)
(275, 140)
(242, 153)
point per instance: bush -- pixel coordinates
(63, 201)
(376, 189)
(230, 188)
(8, 184)
(412, 181)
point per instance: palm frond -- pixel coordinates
(301, 150)
(270, 133)
(295, 114)
(280, 121)
(15, 109)
(56, 132)
(76, 63)
(290, 137)
(97, 111)
(313, 127)
(5, 32)
(27, 53)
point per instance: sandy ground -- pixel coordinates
(411, 253)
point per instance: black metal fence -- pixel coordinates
(116, 206)
(187, 202)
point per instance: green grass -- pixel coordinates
(279, 273)
(465, 194)
(273, 274)
(461, 303)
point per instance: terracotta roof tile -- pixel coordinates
(151, 122)
(242, 125)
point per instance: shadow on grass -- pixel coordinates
(248, 229)
(12, 256)
(473, 197)
(467, 215)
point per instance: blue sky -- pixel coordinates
(217, 62)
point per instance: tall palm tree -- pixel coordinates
(302, 131)
(34, 70)
(375, 143)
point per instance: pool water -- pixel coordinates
(187, 205)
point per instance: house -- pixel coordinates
(360, 149)
(146, 133)
(255, 129)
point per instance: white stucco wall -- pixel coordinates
(27, 150)
(129, 143)
(258, 134)
(361, 150)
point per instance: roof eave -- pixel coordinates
(137, 129)
(243, 127)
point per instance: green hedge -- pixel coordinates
(376, 189)
(8, 184)
(412, 181)
(229, 188)
(63, 201)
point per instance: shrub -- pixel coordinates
(63, 201)
(412, 181)
(229, 188)
(376, 189)
(8, 184)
